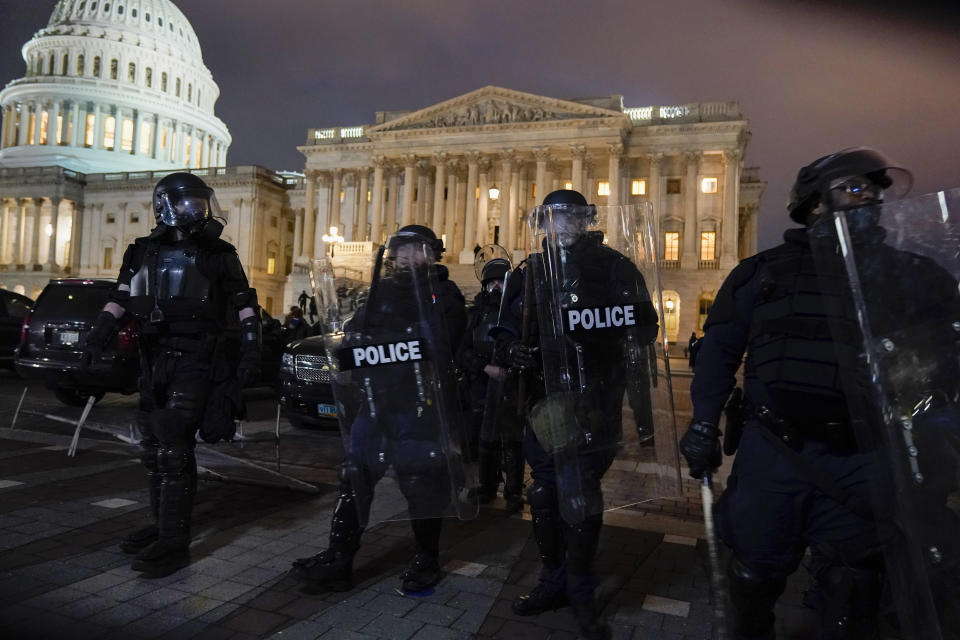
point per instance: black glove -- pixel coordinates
(700, 445)
(520, 356)
(97, 339)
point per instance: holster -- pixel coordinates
(838, 434)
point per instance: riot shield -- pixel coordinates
(486, 254)
(901, 262)
(394, 383)
(606, 415)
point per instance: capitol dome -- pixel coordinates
(113, 85)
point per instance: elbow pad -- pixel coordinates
(245, 298)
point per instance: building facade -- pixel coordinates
(472, 167)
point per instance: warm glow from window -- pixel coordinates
(163, 138)
(708, 185)
(32, 128)
(271, 264)
(186, 154)
(708, 245)
(126, 139)
(603, 188)
(109, 131)
(671, 245)
(369, 197)
(146, 137)
(108, 257)
(638, 188)
(568, 185)
(88, 130)
(44, 120)
(59, 130)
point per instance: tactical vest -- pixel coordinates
(168, 279)
(487, 320)
(803, 335)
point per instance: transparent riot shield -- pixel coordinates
(606, 412)
(901, 262)
(394, 384)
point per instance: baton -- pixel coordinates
(717, 581)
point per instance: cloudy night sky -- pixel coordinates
(811, 76)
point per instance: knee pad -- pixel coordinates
(541, 497)
(754, 593)
(188, 405)
(850, 601)
(174, 461)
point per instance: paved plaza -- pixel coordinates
(62, 575)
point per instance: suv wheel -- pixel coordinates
(76, 397)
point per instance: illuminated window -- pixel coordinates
(88, 130)
(568, 185)
(146, 137)
(673, 186)
(163, 138)
(59, 138)
(109, 132)
(271, 264)
(708, 245)
(638, 188)
(703, 310)
(50, 70)
(32, 129)
(533, 190)
(44, 121)
(148, 77)
(603, 188)
(671, 314)
(342, 194)
(80, 65)
(114, 69)
(708, 185)
(671, 245)
(111, 218)
(108, 257)
(134, 218)
(96, 67)
(369, 196)
(186, 154)
(189, 91)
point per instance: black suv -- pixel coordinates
(55, 333)
(305, 392)
(14, 309)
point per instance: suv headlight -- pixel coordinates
(286, 363)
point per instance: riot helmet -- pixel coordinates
(184, 201)
(412, 246)
(566, 214)
(854, 178)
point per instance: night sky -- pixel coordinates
(811, 76)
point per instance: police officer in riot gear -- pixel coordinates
(185, 286)
(487, 386)
(595, 272)
(390, 428)
(800, 478)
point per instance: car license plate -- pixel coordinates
(68, 337)
(326, 410)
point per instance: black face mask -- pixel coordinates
(211, 229)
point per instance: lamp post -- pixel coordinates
(333, 238)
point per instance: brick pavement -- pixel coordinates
(61, 575)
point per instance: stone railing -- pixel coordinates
(708, 265)
(670, 265)
(693, 112)
(250, 170)
(353, 248)
(333, 135)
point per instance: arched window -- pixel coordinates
(66, 65)
(96, 66)
(189, 92)
(133, 12)
(703, 308)
(131, 72)
(80, 68)
(126, 135)
(148, 19)
(120, 10)
(163, 82)
(109, 132)
(148, 77)
(114, 69)
(106, 7)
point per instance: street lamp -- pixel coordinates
(493, 192)
(333, 238)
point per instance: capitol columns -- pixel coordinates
(53, 136)
(470, 225)
(376, 215)
(653, 185)
(484, 204)
(450, 216)
(298, 235)
(52, 245)
(335, 189)
(579, 153)
(423, 193)
(37, 231)
(506, 213)
(393, 193)
(438, 204)
(613, 199)
(360, 232)
(731, 188)
(542, 155)
(689, 258)
(309, 214)
(409, 161)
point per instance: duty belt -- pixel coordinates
(837, 434)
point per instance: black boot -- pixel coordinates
(582, 541)
(423, 571)
(513, 476)
(140, 539)
(549, 593)
(332, 568)
(171, 551)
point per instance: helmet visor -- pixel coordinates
(187, 208)
(564, 222)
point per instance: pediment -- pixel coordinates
(494, 106)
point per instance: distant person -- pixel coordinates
(302, 301)
(693, 345)
(294, 326)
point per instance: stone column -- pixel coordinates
(52, 246)
(731, 197)
(450, 217)
(323, 211)
(76, 133)
(391, 204)
(38, 111)
(362, 206)
(72, 256)
(614, 223)
(514, 217)
(578, 152)
(470, 219)
(484, 204)
(409, 165)
(653, 186)
(309, 215)
(542, 155)
(440, 160)
(298, 235)
(689, 258)
(335, 188)
(376, 216)
(118, 135)
(507, 231)
(422, 167)
(20, 240)
(52, 138)
(4, 230)
(24, 124)
(37, 231)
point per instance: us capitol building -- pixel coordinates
(116, 95)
